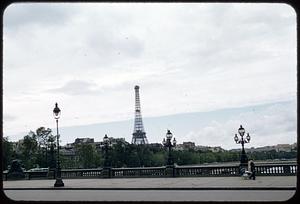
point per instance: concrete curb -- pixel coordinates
(187, 188)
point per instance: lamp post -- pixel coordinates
(52, 163)
(106, 143)
(106, 165)
(242, 140)
(58, 182)
(167, 143)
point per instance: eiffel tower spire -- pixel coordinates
(138, 135)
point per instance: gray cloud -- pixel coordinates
(270, 125)
(8, 118)
(77, 87)
(80, 87)
(201, 56)
(19, 15)
(111, 48)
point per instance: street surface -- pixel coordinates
(150, 195)
(264, 188)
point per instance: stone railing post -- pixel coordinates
(106, 172)
(286, 169)
(51, 173)
(5, 176)
(170, 171)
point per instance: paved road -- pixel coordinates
(150, 195)
(264, 188)
(181, 182)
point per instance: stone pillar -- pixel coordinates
(242, 168)
(106, 172)
(51, 173)
(15, 171)
(286, 169)
(170, 171)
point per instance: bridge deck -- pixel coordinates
(264, 188)
(181, 182)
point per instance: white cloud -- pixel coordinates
(77, 87)
(185, 57)
(271, 125)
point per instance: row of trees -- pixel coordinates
(130, 155)
(39, 149)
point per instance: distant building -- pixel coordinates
(235, 150)
(265, 148)
(216, 149)
(185, 146)
(283, 148)
(69, 146)
(277, 148)
(188, 145)
(192, 146)
(98, 145)
(155, 145)
(70, 156)
(17, 146)
(202, 148)
(179, 147)
(67, 151)
(114, 141)
(294, 147)
(85, 140)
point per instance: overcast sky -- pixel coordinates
(185, 58)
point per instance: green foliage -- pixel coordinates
(158, 159)
(39, 148)
(118, 155)
(34, 150)
(272, 155)
(29, 150)
(88, 156)
(7, 153)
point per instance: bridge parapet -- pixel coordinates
(268, 169)
(139, 172)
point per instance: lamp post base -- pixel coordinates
(59, 183)
(51, 174)
(243, 168)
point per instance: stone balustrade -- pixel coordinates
(268, 169)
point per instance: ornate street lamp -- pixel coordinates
(58, 182)
(52, 164)
(106, 144)
(242, 140)
(168, 143)
(106, 165)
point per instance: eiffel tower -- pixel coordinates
(138, 135)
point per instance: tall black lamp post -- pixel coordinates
(106, 165)
(106, 144)
(242, 140)
(52, 163)
(58, 182)
(167, 143)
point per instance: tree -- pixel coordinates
(158, 158)
(42, 136)
(118, 154)
(88, 157)
(35, 147)
(144, 155)
(29, 149)
(7, 152)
